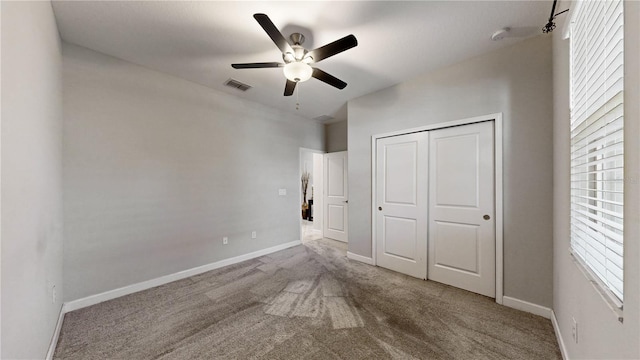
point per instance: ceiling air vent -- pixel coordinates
(323, 118)
(237, 85)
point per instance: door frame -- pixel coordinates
(300, 151)
(498, 156)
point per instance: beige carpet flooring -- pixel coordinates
(306, 302)
(309, 233)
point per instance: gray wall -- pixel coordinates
(157, 170)
(600, 334)
(515, 81)
(336, 136)
(31, 178)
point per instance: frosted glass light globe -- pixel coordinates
(297, 71)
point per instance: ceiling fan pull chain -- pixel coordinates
(298, 97)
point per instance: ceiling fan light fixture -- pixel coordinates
(298, 71)
(289, 57)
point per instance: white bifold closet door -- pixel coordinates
(401, 223)
(435, 206)
(461, 207)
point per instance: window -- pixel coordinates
(597, 159)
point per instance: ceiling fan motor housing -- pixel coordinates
(299, 52)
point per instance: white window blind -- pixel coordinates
(597, 162)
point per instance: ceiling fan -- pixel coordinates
(297, 59)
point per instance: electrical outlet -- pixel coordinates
(254, 234)
(225, 240)
(282, 192)
(574, 330)
(53, 294)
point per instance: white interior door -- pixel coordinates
(318, 191)
(462, 207)
(336, 196)
(401, 196)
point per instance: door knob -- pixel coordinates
(486, 217)
(346, 201)
(380, 208)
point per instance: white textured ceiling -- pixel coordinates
(198, 41)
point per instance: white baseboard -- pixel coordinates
(130, 289)
(556, 328)
(56, 334)
(526, 306)
(356, 257)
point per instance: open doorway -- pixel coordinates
(311, 201)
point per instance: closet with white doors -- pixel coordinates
(435, 205)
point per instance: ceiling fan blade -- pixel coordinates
(273, 33)
(257, 65)
(333, 48)
(329, 79)
(289, 87)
